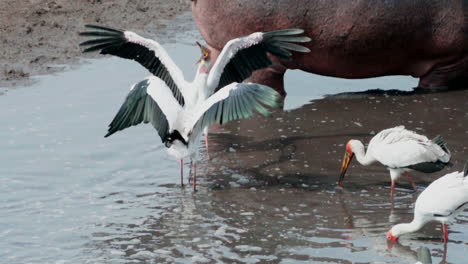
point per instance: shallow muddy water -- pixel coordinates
(267, 195)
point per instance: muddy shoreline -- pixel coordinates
(40, 36)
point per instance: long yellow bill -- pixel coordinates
(205, 52)
(344, 166)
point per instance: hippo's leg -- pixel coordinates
(272, 76)
(453, 75)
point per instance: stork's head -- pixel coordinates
(348, 156)
(391, 236)
(205, 59)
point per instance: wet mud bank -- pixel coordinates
(305, 146)
(40, 36)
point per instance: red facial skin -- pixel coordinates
(391, 237)
(348, 149)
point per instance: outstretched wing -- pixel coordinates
(149, 101)
(235, 101)
(149, 53)
(242, 56)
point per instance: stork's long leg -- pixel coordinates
(444, 257)
(445, 230)
(206, 146)
(392, 190)
(195, 176)
(181, 172)
(190, 172)
(411, 181)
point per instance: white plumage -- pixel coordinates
(444, 197)
(179, 110)
(398, 148)
(441, 201)
(401, 151)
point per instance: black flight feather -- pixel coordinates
(247, 60)
(240, 103)
(465, 169)
(139, 108)
(113, 42)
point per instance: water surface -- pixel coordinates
(267, 195)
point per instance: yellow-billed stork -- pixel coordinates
(441, 201)
(401, 151)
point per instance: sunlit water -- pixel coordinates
(268, 194)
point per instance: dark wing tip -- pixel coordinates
(284, 32)
(280, 42)
(292, 46)
(103, 28)
(100, 32)
(465, 170)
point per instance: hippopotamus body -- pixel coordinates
(427, 39)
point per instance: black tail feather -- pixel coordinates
(439, 140)
(465, 170)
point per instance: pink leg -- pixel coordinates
(206, 145)
(411, 181)
(195, 176)
(392, 190)
(444, 257)
(190, 172)
(445, 230)
(182, 172)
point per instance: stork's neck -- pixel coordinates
(360, 152)
(202, 74)
(414, 226)
(204, 66)
(198, 87)
(200, 80)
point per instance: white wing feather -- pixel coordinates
(162, 95)
(397, 147)
(444, 195)
(192, 118)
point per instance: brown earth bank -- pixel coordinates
(40, 36)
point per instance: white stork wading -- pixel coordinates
(401, 151)
(181, 110)
(441, 201)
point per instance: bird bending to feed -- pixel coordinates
(179, 109)
(401, 151)
(441, 201)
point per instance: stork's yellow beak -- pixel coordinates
(344, 166)
(205, 53)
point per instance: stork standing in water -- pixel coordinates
(181, 110)
(401, 151)
(441, 201)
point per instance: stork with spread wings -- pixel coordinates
(180, 110)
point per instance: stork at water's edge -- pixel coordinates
(441, 201)
(401, 151)
(181, 110)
